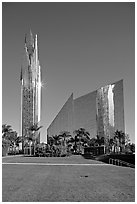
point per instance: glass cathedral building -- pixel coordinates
(30, 86)
(100, 112)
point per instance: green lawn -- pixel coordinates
(94, 183)
(75, 159)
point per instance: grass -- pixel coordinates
(28, 183)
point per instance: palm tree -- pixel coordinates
(32, 137)
(6, 130)
(132, 147)
(56, 139)
(9, 137)
(73, 140)
(78, 134)
(119, 138)
(50, 140)
(111, 144)
(18, 140)
(64, 135)
(100, 140)
(85, 141)
(13, 137)
(56, 142)
(81, 133)
(127, 139)
(92, 142)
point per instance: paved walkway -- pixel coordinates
(55, 164)
(12, 156)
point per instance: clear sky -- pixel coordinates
(82, 46)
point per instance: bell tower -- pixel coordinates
(30, 86)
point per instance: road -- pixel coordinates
(49, 180)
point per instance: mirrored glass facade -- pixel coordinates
(100, 112)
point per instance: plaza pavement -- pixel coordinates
(65, 179)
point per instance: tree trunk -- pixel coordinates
(34, 142)
(79, 144)
(34, 146)
(104, 149)
(30, 149)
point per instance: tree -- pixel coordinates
(100, 141)
(92, 142)
(111, 143)
(64, 135)
(73, 141)
(32, 137)
(35, 127)
(129, 147)
(50, 140)
(56, 144)
(119, 140)
(81, 133)
(132, 147)
(8, 134)
(5, 143)
(9, 137)
(13, 138)
(41, 149)
(6, 130)
(18, 140)
(56, 139)
(127, 139)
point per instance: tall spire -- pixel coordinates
(30, 77)
(29, 43)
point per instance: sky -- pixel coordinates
(82, 46)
